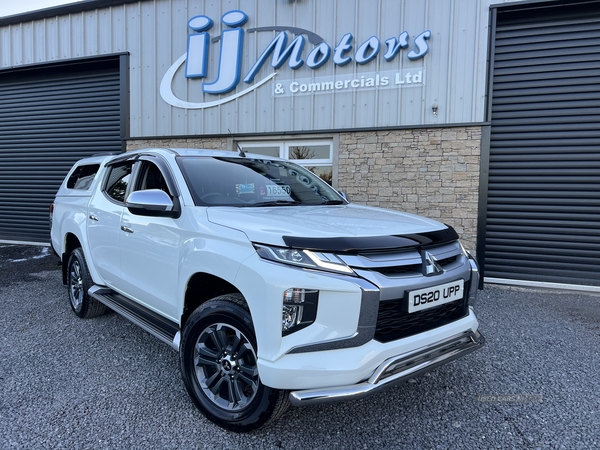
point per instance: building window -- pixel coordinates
(316, 156)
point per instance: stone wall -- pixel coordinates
(429, 172)
(218, 143)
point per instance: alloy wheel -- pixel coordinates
(76, 285)
(226, 367)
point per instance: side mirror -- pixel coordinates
(343, 194)
(151, 202)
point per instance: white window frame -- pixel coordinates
(284, 152)
(313, 162)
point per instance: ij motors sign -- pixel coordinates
(305, 49)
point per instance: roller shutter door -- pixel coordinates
(49, 118)
(543, 209)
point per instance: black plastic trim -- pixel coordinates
(373, 243)
(165, 169)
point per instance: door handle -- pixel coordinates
(93, 217)
(126, 229)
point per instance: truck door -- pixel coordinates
(104, 222)
(149, 248)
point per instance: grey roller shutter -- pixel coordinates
(543, 209)
(49, 118)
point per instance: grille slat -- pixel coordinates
(398, 270)
(394, 322)
(412, 268)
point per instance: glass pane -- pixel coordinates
(324, 172)
(83, 176)
(118, 181)
(249, 182)
(268, 151)
(310, 151)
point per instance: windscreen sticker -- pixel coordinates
(275, 190)
(244, 188)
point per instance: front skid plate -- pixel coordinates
(395, 370)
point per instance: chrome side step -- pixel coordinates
(395, 370)
(164, 329)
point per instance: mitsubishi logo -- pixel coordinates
(431, 265)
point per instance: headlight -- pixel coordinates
(303, 258)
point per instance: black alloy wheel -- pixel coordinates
(78, 283)
(219, 366)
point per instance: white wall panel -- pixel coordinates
(16, 49)
(413, 99)
(342, 104)
(365, 103)
(155, 33)
(460, 91)
(91, 41)
(28, 45)
(392, 24)
(5, 46)
(439, 59)
(78, 36)
(64, 38)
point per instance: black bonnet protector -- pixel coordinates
(373, 243)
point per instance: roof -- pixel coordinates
(202, 152)
(104, 158)
(62, 10)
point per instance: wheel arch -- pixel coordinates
(71, 242)
(202, 287)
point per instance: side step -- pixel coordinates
(164, 329)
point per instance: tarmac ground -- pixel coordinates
(104, 383)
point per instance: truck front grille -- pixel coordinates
(394, 322)
(411, 268)
(398, 270)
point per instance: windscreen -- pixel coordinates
(237, 181)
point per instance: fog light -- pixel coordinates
(299, 309)
(293, 300)
(292, 316)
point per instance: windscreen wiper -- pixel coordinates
(276, 203)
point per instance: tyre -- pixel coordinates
(218, 358)
(78, 283)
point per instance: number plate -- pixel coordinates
(435, 295)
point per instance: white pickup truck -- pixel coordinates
(271, 286)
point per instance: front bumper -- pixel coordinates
(395, 370)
